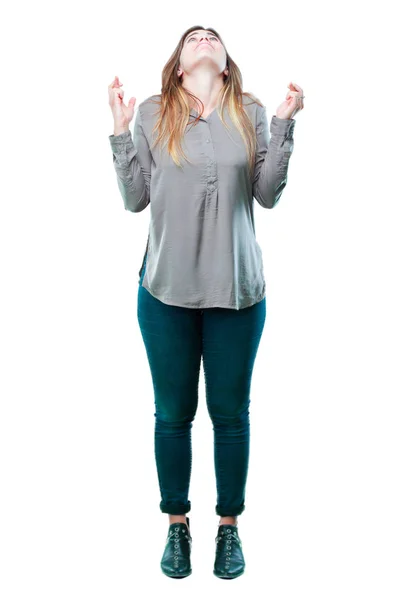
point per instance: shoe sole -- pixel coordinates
(228, 576)
(178, 575)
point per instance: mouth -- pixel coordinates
(203, 43)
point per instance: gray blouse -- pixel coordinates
(201, 249)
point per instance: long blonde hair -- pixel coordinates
(174, 112)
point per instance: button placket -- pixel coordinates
(211, 162)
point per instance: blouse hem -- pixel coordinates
(250, 301)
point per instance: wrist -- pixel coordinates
(118, 129)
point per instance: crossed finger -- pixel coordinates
(115, 83)
(298, 94)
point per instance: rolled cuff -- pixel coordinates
(283, 127)
(122, 138)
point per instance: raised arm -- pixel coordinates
(272, 157)
(132, 163)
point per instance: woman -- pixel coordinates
(201, 287)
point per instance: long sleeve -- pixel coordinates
(132, 163)
(272, 158)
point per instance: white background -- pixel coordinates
(79, 511)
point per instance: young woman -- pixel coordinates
(201, 151)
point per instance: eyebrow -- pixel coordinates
(202, 31)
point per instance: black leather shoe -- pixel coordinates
(229, 560)
(176, 558)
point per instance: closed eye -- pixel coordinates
(212, 37)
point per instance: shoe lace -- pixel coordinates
(228, 536)
(174, 537)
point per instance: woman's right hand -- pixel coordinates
(122, 114)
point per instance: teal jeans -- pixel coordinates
(176, 338)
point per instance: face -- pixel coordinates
(202, 47)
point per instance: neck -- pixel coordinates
(204, 86)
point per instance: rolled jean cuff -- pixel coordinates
(230, 512)
(175, 508)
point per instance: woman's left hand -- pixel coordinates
(293, 102)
